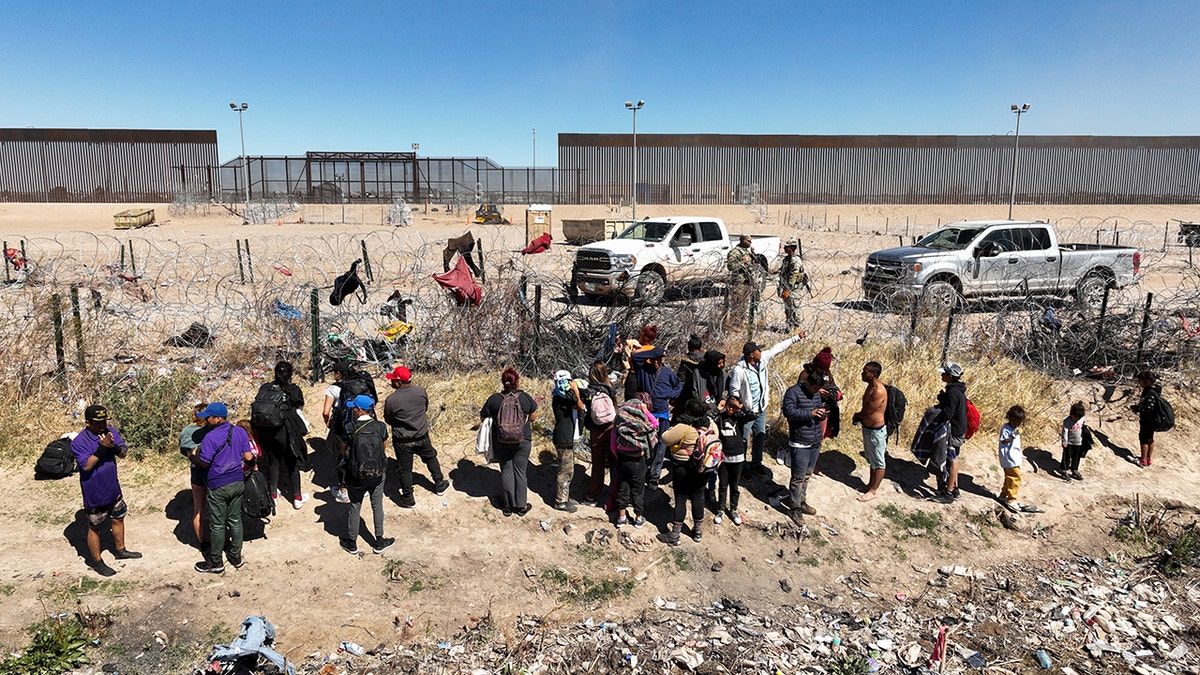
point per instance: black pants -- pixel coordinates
(730, 480)
(420, 447)
(283, 469)
(689, 487)
(1071, 456)
(632, 472)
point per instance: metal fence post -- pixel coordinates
(60, 354)
(7, 278)
(314, 306)
(249, 262)
(132, 262)
(479, 252)
(537, 321)
(366, 261)
(1103, 313)
(77, 321)
(946, 340)
(1145, 325)
(241, 268)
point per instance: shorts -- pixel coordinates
(953, 446)
(115, 510)
(875, 446)
(199, 475)
(1145, 435)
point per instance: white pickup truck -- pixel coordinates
(659, 253)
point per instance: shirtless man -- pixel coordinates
(874, 431)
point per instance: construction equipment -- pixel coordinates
(489, 214)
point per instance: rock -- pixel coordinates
(785, 586)
(545, 525)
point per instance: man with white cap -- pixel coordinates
(792, 278)
(567, 405)
(952, 401)
(406, 412)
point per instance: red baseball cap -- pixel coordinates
(400, 373)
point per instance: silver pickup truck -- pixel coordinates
(996, 258)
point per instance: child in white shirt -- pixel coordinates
(1011, 459)
(1072, 442)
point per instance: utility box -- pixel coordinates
(133, 218)
(537, 220)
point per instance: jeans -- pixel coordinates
(357, 493)
(419, 447)
(804, 460)
(730, 476)
(514, 477)
(600, 441)
(660, 450)
(566, 471)
(759, 427)
(283, 472)
(632, 473)
(688, 484)
(225, 515)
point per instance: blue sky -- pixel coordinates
(474, 78)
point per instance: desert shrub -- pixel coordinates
(149, 408)
(57, 646)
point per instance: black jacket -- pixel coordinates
(953, 402)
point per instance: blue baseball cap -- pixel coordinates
(214, 410)
(362, 402)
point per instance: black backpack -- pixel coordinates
(367, 455)
(357, 383)
(256, 499)
(346, 284)
(270, 406)
(57, 461)
(893, 412)
(1164, 415)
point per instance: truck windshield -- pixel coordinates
(647, 230)
(950, 238)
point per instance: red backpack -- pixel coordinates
(972, 419)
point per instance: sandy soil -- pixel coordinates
(457, 557)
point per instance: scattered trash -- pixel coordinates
(254, 641)
(352, 648)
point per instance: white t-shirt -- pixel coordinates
(1010, 447)
(334, 391)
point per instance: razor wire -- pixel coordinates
(139, 293)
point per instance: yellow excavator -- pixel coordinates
(489, 214)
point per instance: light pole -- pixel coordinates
(1018, 110)
(533, 180)
(630, 105)
(239, 109)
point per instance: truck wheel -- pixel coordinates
(1089, 292)
(939, 297)
(597, 298)
(651, 288)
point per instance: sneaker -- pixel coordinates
(955, 494)
(639, 521)
(299, 502)
(126, 554)
(1076, 475)
(571, 506)
(275, 494)
(523, 511)
(780, 461)
(408, 502)
(1143, 462)
(206, 567)
(736, 518)
(348, 546)
(102, 568)
(622, 520)
(670, 538)
(382, 544)
(1014, 507)
(718, 518)
(797, 517)
(806, 509)
(441, 486)
(236, 562)
(341, 496)
(697, 532)
(506, 511)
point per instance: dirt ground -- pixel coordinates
(457, 557)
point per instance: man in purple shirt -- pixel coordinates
(96, 449)
(222, 452)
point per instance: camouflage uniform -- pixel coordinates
(740, 263)
(792, 278)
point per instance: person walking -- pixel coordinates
(874, 428)
(567, 404)
(223, 451)
(804, 409)
(406, 411)
(365, 472)
(731, 422)
(512, 412)
(190, 439)
(749, 381)
(792, 279)
(686, 479)
(96, 449)
(600, 404)
(952, 401)
(1072, 442)
(283, 445)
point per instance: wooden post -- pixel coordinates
(77, 322)
(946, 340)
(122, 258)
(1097, 237)
(479, 252)
(901, 238)
(249, 262)
(314, 308)
(241, 268)
(1166, 235)
(1116, 237)
(1103, 313)
(132, 262)
(60, 354)
(366, 261)
(7, 278)
(1145, 325)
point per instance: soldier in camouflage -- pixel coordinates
(792, 278)
(742, 291)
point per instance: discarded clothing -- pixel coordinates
(540, 244)
(197, 336)
(285, 311)
(254, 641)
(460, 282)
(346, 285)
(463, 246)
